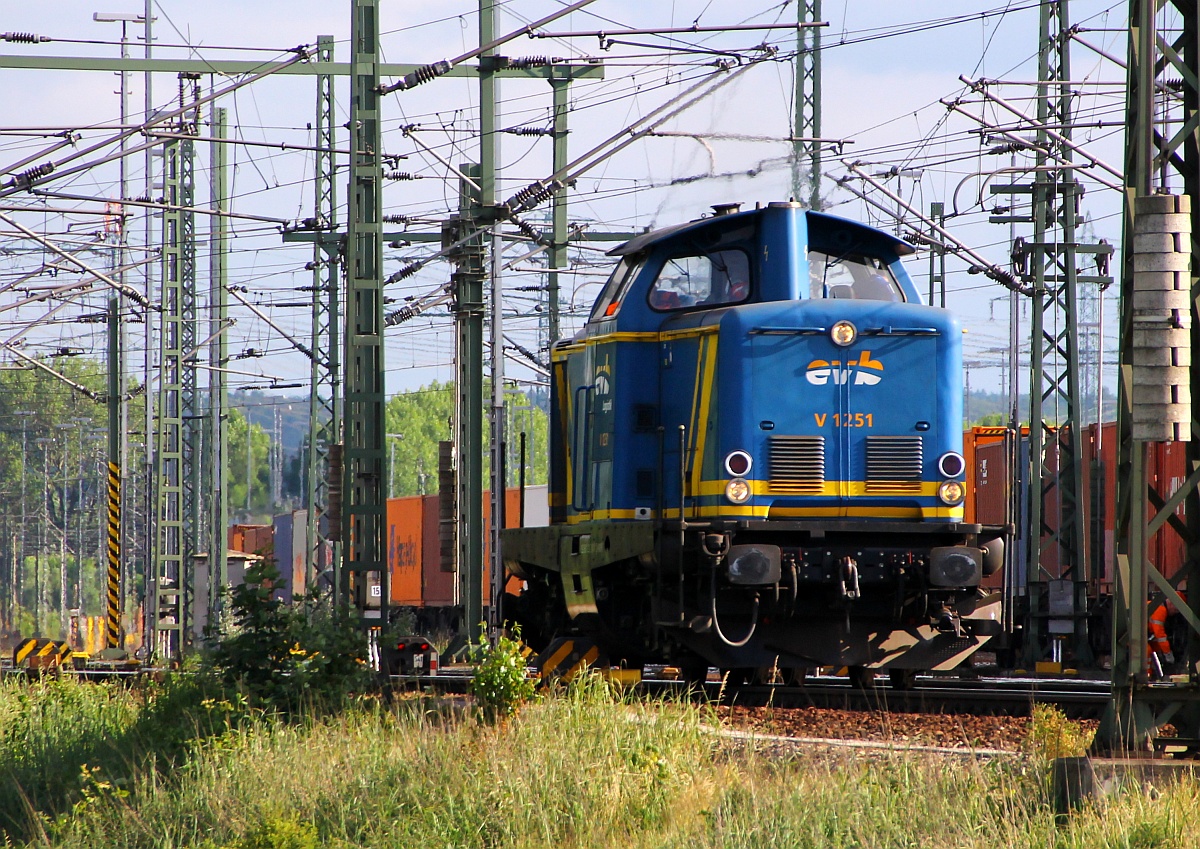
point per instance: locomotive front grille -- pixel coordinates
(894, 464)
(797, 465)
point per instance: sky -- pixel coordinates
(886, 69)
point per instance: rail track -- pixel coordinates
(999, 696)
(1081, 699)
(984, 696)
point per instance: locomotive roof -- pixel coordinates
(646, 240)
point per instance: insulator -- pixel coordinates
(27, 178)
(527, 231)
(424, 74)
(395, 219)
(533, 61)
(401, 315)
(528, 131)
(532, 195)
(529, 355)
(1007, 280)
(23, 37)
(401, 175)
(405, 272)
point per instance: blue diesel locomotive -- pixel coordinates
(755, 459)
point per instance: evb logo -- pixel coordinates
(861, 372)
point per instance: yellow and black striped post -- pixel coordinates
(113, 631)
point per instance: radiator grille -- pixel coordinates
(894, 464)
(797, 465)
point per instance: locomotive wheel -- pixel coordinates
(767, 675)
(793, 676)
(738, 676)
(694, 674)
(862, 677)
(902, 679)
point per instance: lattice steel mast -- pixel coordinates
(364, 489)
(324, 402)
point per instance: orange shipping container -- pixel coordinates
(404, 546)
(253, 539)
(414, 551)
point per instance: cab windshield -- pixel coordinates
(851, 276)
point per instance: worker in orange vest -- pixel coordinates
(1160, 643)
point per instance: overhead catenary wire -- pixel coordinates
(995, 272)
(56, 171)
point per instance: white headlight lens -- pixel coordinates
(843, 333)
(737, 491)
(951, 492)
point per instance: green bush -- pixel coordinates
(500, 685)
(284, 657)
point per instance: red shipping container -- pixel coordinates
(973, 440)
(1166, 472)
(437, 585)
(1101, 444)
(990, 485)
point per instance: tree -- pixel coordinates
(243, 437)
(51, 436)
(418, 420)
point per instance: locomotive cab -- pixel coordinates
(756, 457)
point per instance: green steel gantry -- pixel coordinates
(1058, 577)
(1162, 155)
(324, 398)
(217, 467)
(806, 130)
(364, 488)
(167, 560)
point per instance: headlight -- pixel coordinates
(951, 464)
(737, 491)
(950, 492)
(843, 333)
(739, 463)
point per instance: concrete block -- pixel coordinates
(1163, 301)
(1161, 262)
(1160, 431)
(1159, 335)
(1157, 393)
(1153, 357)
(1162, 281)
(1156, 243)
(1160, 375)
(1162, 204)
(1170, 223)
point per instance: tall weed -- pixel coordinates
(586, 766)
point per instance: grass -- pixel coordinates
(582, 769)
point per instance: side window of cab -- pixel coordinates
(609, 302)
(705, 280)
